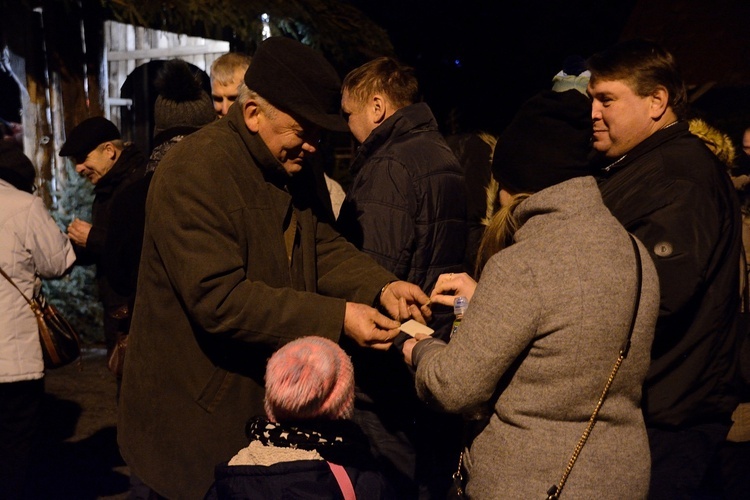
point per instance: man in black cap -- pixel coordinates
(235, 264)
(111, 165)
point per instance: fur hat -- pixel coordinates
(181, 101)
(547, 142)
(15, 167)
(309, 378)
(298, 80)
(87, 135)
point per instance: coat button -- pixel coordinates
(663, 249)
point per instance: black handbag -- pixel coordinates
(61, 344)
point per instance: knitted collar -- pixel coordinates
(339, 441)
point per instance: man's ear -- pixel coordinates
(250, 112)
(659, 102)
(110, 151)
(378, 108)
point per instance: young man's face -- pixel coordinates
(621, 118)
(746, 142)
(224, 95)
(357, 116)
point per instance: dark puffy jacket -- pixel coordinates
(406, 206)
(675, 196)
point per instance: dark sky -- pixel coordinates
(484, 58)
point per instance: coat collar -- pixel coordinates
(652, 142)
(130, 160)
(563, 201)
(415, 117)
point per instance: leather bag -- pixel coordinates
(61, 344)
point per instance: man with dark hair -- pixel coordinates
(668, 188)
(237, 263)
(406, 208)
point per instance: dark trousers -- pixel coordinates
(417, 451)
(20, 417)
(681, 461)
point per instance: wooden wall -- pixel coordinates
(71, 63)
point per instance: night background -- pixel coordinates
(477, 61)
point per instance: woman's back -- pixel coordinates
(539, 341)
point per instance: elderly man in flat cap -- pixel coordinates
(112, 166)
(235, 264)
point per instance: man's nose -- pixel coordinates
(310, 148)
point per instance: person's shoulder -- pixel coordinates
(687, 158)
(13, 197)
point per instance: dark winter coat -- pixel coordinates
(114, 194)
(406, 206)
(675, 196)
(217, 296)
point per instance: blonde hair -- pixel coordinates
(225, 66)
(498, 234)
(383, 75)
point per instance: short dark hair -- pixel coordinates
(645, 65)
(384, 74)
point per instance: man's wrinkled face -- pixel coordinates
(97, 163)
(621, 118)
(746, 142)
(224, 95)
(287, 139)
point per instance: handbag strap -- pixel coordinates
(31, 304)
(554, 492)
(345, 483)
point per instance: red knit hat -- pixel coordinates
(309, 378)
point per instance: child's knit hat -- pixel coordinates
(309, 378)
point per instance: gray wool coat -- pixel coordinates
(536, 346)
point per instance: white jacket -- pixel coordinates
(31, 246)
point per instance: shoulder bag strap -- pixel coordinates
(347, 489)
(554, 492)
(31, 304)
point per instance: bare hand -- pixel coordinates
(457, 284)
(404, 300)
(368, 327)
(78, 232)
(409, 346)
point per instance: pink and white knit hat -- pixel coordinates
(309, 378)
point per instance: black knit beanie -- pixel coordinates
(547, 142)
(182, 102)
